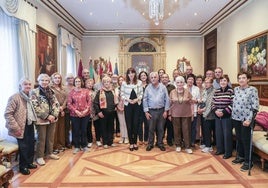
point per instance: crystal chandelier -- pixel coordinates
(156, 10)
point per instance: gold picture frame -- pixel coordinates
(252, 56)
(46, 52)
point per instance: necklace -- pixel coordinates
(180, 96)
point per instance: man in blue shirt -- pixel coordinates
(155, 105)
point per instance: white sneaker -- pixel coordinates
(126, 141)
(105, 146)
(211, 149)
(76, 150)
(205, 150)
(202, 146)
(99, 143)
(178, 149)
(85, 149)
(53, 156)
(121, 141)
(89, 145)
(40, 161)
(113, 145)
(189, 151)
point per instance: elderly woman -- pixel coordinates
(104, 104)
(222, 106)
(208, 115)
(20, 117)
(47, 109)
(180, 114)
(245, 101)
(79, 102)
(59, 137)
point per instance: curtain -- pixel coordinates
(26, 43)
(69, 50)
(10, 58)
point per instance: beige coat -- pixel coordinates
(16, 115)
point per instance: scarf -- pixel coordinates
(49, 94)
(102, 98)
(31, 116)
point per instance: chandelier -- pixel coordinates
(156, 10)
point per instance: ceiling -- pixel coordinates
(184, 17)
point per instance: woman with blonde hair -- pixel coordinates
(121, 113)
(47, 109)
(59, 137)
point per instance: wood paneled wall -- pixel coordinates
(262, 91)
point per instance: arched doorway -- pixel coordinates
(142, 53)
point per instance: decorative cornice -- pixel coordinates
(210, 24)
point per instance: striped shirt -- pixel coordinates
(223, 100)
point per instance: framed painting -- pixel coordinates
(252, 56)
(142, 63)
(46, 52)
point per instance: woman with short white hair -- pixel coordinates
(47, 109)
(180, 114)
(20, 117)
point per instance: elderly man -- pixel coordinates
(155, 106)
(218, 74)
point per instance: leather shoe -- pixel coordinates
(218, 153)
(131, 149)
(162, 148)
(32, 166)
(149, 148)
(226, 156)
(25, 171)
(136, 147)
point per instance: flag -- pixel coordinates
(110, 69)
(80, 69)
(116, 69)
(91, 69)
(100, 70)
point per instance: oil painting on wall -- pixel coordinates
(252, 56)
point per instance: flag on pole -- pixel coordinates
(110, 69)
(80, 69)
(100, 70)
(116, 69)
(91, 69)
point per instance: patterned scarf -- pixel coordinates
(102, 98)
(49, 94)
(31, 116)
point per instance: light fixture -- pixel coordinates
(156, 10)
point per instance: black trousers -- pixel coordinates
(97, 129)
(107, 127)
(132, 113)
(67, 128)
(26, 147)
(242, 134)
(209, 125)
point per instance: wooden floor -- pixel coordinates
(118, 167)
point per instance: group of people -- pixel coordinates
(141, 107)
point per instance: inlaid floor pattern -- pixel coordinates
(118, 167)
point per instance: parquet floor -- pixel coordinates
(118, 167)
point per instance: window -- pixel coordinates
(9, 48)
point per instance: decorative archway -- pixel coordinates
(141, 52)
